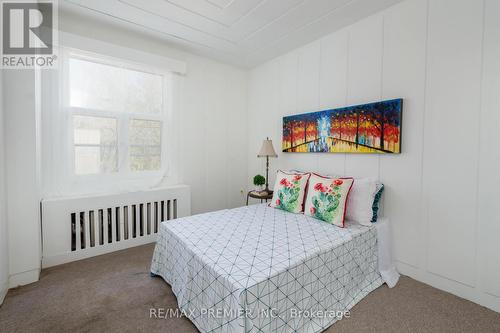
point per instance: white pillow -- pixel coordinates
(360, 201)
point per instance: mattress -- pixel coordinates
(261, 269)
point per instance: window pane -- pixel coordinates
(144, 163)
(95, 141)
(104, 87)
(145, 144)
(92, 160)
(145, 132)
(94, 130)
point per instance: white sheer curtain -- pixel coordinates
(108, 125)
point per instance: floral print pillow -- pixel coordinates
(289, 191)
(327, 197)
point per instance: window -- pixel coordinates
(118, 113)
(95, 143)
(145, 144)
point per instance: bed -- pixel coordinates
(261, 269)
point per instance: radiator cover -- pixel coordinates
(82, 227)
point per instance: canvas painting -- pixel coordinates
(366, 128)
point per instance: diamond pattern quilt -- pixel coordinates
(261, 269)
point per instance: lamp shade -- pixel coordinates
(267, 149)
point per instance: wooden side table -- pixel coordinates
(262, 195)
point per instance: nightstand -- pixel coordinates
(262, 195)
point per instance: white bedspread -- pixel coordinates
(260, 269)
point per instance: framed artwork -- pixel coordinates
(366, 128)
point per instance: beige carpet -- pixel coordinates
(114, 293)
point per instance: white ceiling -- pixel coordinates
(241, 32)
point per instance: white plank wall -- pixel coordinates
(308, 72)
(489, 159)
(4, 246)
(404, 44)
(213, 95)
(443, 58)
(450, 155)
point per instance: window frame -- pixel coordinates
(123, 119)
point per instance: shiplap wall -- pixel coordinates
(4, 248)
(443, 58)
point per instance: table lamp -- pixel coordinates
(267, 151)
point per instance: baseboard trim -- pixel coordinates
(67, 257)
(3, 292)
(472, 294)
(23, 278)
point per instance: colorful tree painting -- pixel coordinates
(367, 128)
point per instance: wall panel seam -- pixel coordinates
(423, 200)
(477, 280)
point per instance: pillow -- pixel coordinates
(362, 206)
(327, 198)
(376, 201)
(289, 191)
(317, 174)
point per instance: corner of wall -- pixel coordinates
(22, 184)
(4, 256)
(24, 278)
